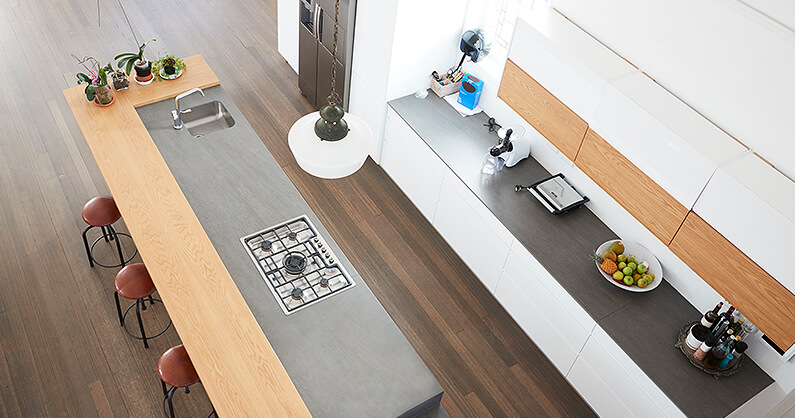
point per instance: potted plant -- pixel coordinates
(168, 67)
(97, 88)
(143, 68)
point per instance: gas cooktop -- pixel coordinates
(298, 266)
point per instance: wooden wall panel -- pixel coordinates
(765, 301)
(630, 187)
(540, 108)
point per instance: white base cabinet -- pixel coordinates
(411, 164)
(593, 363)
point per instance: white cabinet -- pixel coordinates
(531, 318)
(595, 391)
(412, 165)
(671, 143)
(571, 330)
(561, 296)
(605, 385)
(287, 14)
(566, 60)
(476, 239)
(753, 206)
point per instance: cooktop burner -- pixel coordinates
(296, 263)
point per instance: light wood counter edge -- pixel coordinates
(237, 365)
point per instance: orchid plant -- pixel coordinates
(96, 79)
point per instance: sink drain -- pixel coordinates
(198, 135)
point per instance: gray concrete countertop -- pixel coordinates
(344, 354)
(562, 244)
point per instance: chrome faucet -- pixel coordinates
(177, 114)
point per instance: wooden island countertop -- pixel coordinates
(236, 363)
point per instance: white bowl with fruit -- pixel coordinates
(638, 268)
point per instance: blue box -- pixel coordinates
(469, 94)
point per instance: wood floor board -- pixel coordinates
(62, 352)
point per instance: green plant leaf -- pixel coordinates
(129, 66)
(83, 78)
(125, 54)
(91, 92)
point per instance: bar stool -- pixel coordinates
(101, 212)
(133, 282)
(176, 370)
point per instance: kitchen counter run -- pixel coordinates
(562, 244)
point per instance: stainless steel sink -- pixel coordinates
(207, 118)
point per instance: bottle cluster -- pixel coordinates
(718, 340)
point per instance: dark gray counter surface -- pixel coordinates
(344, 354)
(562, 244)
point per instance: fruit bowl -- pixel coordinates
(642, 255)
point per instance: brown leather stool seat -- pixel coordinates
(101, 212)
(176, 370)
(133, 282)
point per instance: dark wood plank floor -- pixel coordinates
(62, 353)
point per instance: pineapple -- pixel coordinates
(607, 265)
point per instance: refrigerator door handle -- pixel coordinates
(316, 23)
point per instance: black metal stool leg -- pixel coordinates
(170, 396)
(138, 303)
(118, 244)
(88, 250)
(105, 233)
(151, 300)
(165, 390)
(118, 308)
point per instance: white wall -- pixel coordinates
(729, 62)
(396, 46)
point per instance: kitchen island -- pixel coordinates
(187, 202)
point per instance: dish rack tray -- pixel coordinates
(682, 346)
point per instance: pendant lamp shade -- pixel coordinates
(329, 159)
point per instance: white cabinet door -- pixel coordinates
(419, 178)
(671, 143)
(478, 245)
(596, 392)
(531, 318)
(552, 309)
(561, 295)
(753, 206)
(566, 60)
(615, 367)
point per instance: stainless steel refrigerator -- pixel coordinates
(315, 46)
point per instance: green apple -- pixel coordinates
(618, 276)
(627, 271)
(631, 259)
(633, 265)
(628, 280)
(642, 268)
(649, 278)
(622, 258)
(642, 283)
(621, 265)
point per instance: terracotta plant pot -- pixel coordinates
(143, 70)
(104, 96)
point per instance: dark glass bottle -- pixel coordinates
(738, 351)
(716, 355)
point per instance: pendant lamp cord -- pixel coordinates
(334, 97)
(128, 22)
